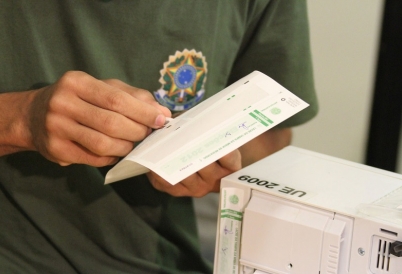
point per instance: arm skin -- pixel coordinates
(208, 179)
(95, 121)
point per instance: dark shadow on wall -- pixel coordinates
(385, 124)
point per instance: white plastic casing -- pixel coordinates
(308, 213)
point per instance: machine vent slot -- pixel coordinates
(383, 255)
(381, 259)
(333, 260)
(389, 232)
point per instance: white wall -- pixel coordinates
(344, 39)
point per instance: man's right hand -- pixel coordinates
(79, 119)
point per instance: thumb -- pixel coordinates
(231, 161)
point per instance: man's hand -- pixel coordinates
(265, 144)
(79, 119)
(208, 179)
(204, 181)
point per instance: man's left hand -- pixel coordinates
(204, 181)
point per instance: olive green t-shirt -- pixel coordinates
(63, 219)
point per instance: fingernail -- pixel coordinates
(160, 120)
(168, 120)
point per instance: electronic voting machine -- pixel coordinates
(302, 212)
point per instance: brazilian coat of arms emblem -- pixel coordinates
(183, 78)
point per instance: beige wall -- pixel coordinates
(344, 38)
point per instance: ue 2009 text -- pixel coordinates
(272, 185)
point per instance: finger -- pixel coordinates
(88, 158)
(162, 185)
(108, 122)
(193, 186)
(201, 183)
(99, 143)
(94, 141)
(99, 93)
(79, 155)
(211, 176)
(213, 173)
(140, 94)
(231, 161)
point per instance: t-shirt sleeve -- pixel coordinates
(276, 42)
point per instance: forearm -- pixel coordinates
(267, 143)
(14, 108)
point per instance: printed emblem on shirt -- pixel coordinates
(183, 78)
